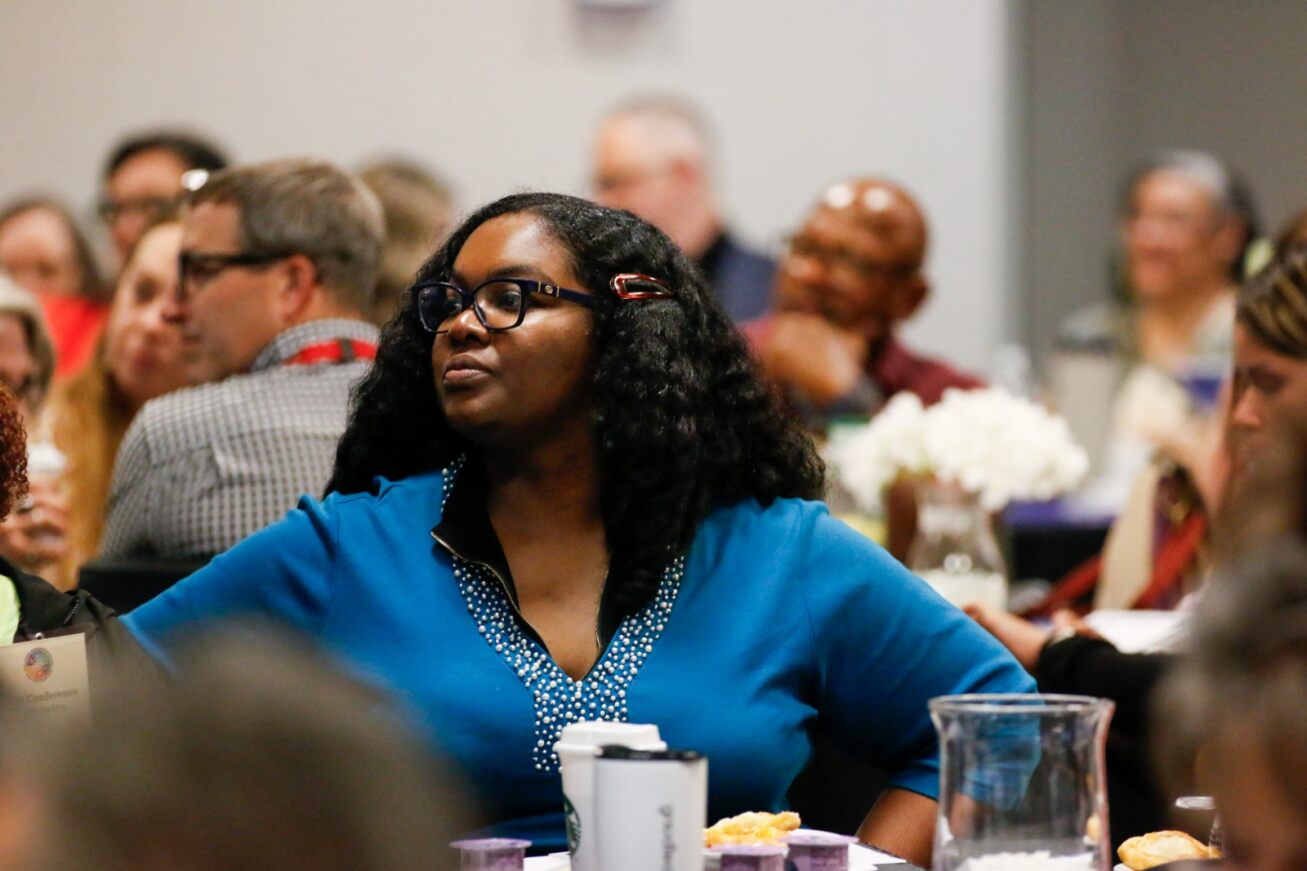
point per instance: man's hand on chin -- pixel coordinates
(813, 357)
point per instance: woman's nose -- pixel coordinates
(466, 325)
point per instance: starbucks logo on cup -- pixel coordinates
(573, 826)
(38, 664)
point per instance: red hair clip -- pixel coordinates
(633, 285)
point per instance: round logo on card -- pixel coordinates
(38, 664)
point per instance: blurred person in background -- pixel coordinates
(277, 270)
(143, 180)
(1238, 705)
(260, 755)
(850, 276)
(1293, 232)
(33, 535)
(42, 249)
(418, 206)
(652, 156)
(26, 350)
(1160, 351)
(1156, 550)
(1269, 392)
(138, 359)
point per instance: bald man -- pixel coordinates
(651, 158)
(851, 275)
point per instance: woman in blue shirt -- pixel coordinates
(564, 494)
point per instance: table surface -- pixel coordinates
(558, 862)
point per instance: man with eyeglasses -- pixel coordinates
(277, 267)
(849, 277)
(651, 157)
(143, 180)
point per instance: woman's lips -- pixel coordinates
(464, 370)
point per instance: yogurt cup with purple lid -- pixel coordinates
(818, 851)
(747, 857)
(491, 854)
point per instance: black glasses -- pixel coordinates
(196, 268)
(501, 303)
(147, 207)
(832, 257)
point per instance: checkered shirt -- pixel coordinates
(202, 468)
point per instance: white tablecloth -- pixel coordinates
(860, 859)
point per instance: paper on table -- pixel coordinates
(1140, 631)
(860, 859)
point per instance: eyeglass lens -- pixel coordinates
(500, 305)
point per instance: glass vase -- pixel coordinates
(955, 549)
(1022, 783)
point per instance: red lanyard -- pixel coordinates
(333, 351)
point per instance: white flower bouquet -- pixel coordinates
(987, 442)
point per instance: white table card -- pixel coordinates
(47, 677)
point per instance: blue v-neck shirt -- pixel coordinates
(779, 617)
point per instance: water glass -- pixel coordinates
(1022, 783)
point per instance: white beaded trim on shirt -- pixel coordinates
(558, 699)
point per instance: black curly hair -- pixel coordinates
(682, 421)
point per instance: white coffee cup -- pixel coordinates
(650, 809)
(577, 748)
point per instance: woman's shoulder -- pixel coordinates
(799, 533)
(424, 489)
(749, 517)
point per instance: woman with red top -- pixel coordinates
(42, 250)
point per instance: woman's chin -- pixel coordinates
(472, 418)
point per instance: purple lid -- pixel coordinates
(810, 838)
(482, 845)
(751, 857)
(749, 849)
(819, 851)
(492, 854)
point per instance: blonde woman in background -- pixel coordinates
(138, 359)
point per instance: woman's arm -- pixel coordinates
(902, 823)
(283, 572)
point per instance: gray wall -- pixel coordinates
(1104, 82)
(501, 94)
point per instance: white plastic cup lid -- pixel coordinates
(590, 735)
